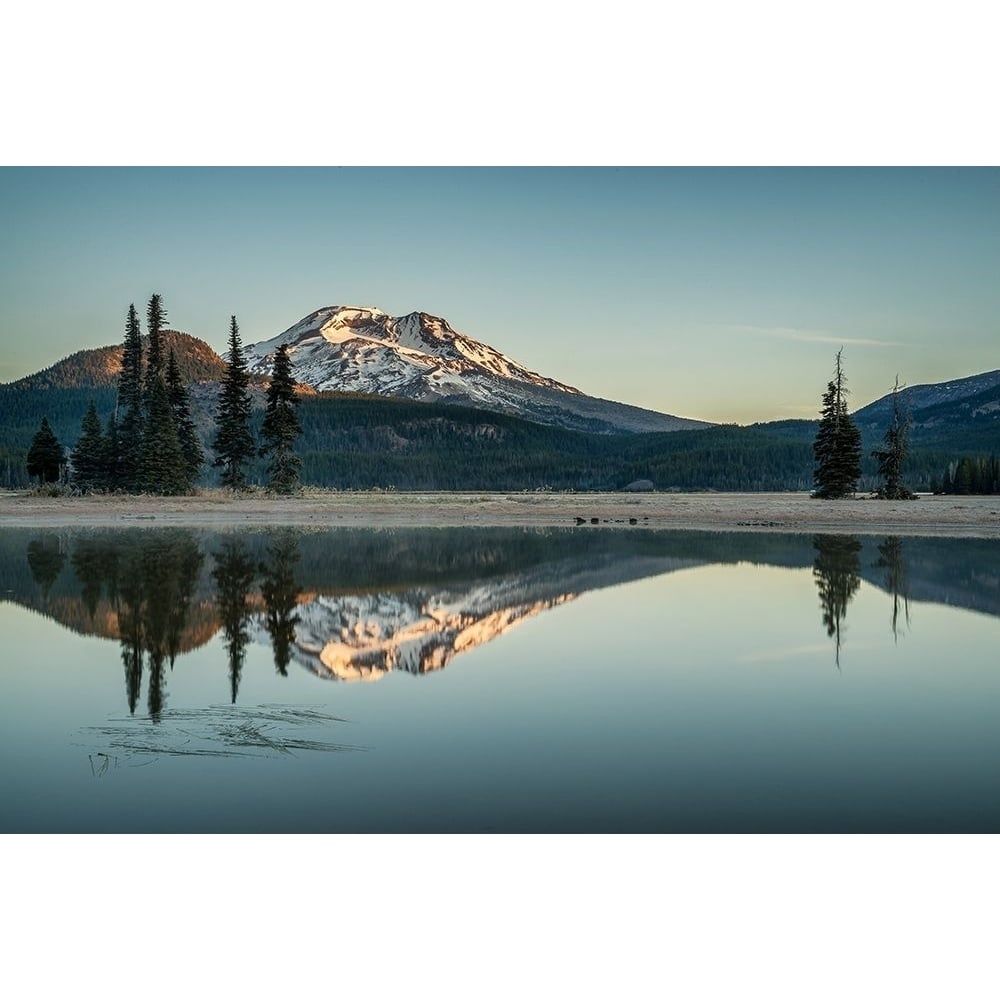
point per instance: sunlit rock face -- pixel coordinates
(417, 630)
(419, 356)
(363, 637)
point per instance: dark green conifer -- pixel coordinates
(233, 443)
(111, 458)
(281, 427)
(89, 453)
(163, 467)
(837, 447)
(187, 433)
(156, 319)
(45, 456)
(130, 409)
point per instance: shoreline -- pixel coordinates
(955, 516)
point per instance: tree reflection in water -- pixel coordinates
(896, 581)
(234, 576)
(46, 558)
(280, 592)
(837, 572)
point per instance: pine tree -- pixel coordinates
(45, 456)
(281, 427)
(893, 455)
(111, 457)
(156, 318)
(233, 443)
(837, 447)
(130, 379)
(89, 453)
(163, 466)
(187, 433)
(130, 416)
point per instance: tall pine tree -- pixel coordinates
(281, 427)
(163, 467)
(128, 460)
(187, 433)
(837, 447)
(156, 319)
(233, 443)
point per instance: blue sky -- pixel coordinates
(713, 293)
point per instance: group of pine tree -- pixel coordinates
(837, 448)
(150, 443)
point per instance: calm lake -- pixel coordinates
(463, 680)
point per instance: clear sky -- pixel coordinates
(714, 293)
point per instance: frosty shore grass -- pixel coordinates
(971, 517)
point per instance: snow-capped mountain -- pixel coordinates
(419, 356)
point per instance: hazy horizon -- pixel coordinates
(719, 294)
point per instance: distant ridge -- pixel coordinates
(966, 398)
(98, 367)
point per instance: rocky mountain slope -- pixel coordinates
(420, 357)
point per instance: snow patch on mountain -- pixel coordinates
(419, 356)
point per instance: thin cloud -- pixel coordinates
(814, 336)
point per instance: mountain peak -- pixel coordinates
(421, 356)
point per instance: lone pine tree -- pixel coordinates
(893, 455)
(281, 427)
(837, 447)
(233, 444)
(45, 456)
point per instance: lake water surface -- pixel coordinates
(467, 680)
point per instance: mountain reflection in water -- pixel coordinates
(354, 604)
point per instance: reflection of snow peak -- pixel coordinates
(364, 636)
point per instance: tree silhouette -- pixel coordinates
(280, 592)
(896, 580)
(129, 412)
(281, 427)
(111, 459)
(90, 451)
(234, 575)
(892, 457)
(187, 433)
(163, 466)
(156, 319)
(233, 443)
(45, 456)
(837, 448)
(130, 596)
(837, 572)
(46, 558)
